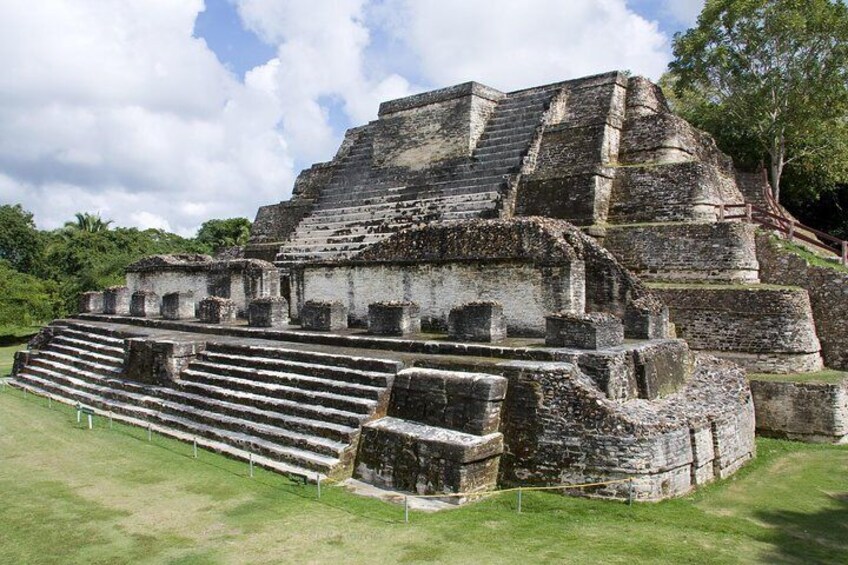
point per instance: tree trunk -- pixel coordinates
(777, 157)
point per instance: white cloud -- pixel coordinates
(685, 12)
(511, 45)
(114, 107)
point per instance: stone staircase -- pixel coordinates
(363, 204)
(302, 409)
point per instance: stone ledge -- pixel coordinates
(442, 443)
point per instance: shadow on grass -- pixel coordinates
(818, 537)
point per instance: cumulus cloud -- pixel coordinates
(114, 107)
(685, 12)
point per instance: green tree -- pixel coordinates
(775, 73)
(21, 245)
(25, 300)
(219, 234)
(86, 222)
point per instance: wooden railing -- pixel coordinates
(792, 229)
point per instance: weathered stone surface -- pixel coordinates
(91, 302)
(646, 319)
(394, 318)
(766, 329)
(144, 304)
(827, 288)
(116, 300)
(323, 316)
(559, 428)
(157, 361)
(477, 321)
(596, 330)
(216, 310)
(178, 306)
(269, 312)
(466, 402)
(807, 411)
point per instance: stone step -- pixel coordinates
(90, 334)
(73, 339)
(369, 364)
(321, 398)
(467, 183)
(343, 374)
(300, 458)
(295, 380)
(311, 426)
(400, 202)
(408, 207)
(51, 358)
(51, 370)
(80, 352)
(277, 405)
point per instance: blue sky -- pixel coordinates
(167, 113)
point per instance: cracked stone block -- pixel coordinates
(116, 300)
(91, 302)
(323, 316)
(477, 321)
(178, 306)
(144, 304)
(597, 330)
(268, 312)
(217, 310)
(394, 318)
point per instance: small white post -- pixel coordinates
(194, 446)
(251, 465)
(90, 422)
(749, 212)
(110, 419)
(845, 253)
(79, 413)
(318, 480)
(519, 500)
(49, 402)
(791, 230)
(149, 432)
(406, 509)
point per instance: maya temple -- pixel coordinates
(558, 285)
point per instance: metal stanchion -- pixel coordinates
(251, 465)
(149, 432)
(194, 447)
(406, 509)
(630, 492)
(318, 480)
(519, 500)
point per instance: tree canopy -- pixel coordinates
(220, 234)
(770, 77)
(21, 245)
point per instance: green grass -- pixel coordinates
(71, 495)
(7, 356)
(826, 376)
(811, 258)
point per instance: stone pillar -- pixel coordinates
(91, 302)
(116, 300)
(144, 304)
(646, 319)
(269, 312)
(178, 306)
(394, 318)
(597, 330)
(323, 316)
(477, 321)
(216, 310)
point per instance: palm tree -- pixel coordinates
(91, 223)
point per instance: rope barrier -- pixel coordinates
(522, 489)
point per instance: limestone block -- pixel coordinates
(144, 304)
(216, 310)
(116, 300)
(466, 402)
(477, 321)
(268, 312)
(597, 330)
(91, 302)
(646, 321)
(156, 361)
(414, 457)
(394, 318)
(178, 306)
(323, 316)
(808, 411)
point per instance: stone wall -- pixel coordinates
(559, 428)
(527, 292)
(827, 288)
(722, 252)
(240, 280)
(807, 411)
(421, 130)
(766, 329)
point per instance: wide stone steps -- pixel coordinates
(321, 398)
(60, 345)
(397, 202)
(149, 409)
(54, 358)
(278, 377)
(372, 364)
(345, 196)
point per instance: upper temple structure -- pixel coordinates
(559, 285)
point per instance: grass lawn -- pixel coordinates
(71, 495)
(826, 376)
(7, 356)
